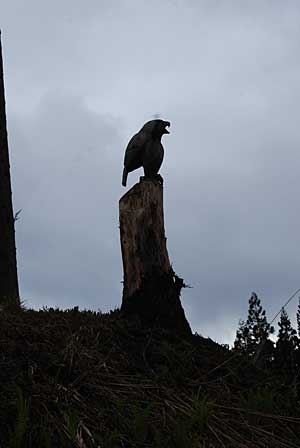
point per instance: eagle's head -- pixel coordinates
(156, 127)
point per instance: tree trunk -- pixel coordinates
(9, 290)
(151, 288)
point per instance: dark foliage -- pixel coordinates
(252, 337)
(85, 379)
(286, 345)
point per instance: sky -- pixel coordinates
(82, 77)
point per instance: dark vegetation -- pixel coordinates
(84, 379)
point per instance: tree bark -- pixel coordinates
(9, 290)
(151, 288)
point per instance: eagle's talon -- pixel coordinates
(160, 179)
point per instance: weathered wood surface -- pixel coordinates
(151, 288)
(8, 265)
(143, 240)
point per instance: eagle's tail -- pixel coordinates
(124, 178)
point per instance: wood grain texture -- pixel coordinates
(151, 288)
(143, 240)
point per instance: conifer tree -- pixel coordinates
(241, 338)
(255, 331)
(286, 345)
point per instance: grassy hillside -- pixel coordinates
(85, 379)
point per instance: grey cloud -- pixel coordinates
(65, 234)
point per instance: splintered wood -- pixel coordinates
(143, 240)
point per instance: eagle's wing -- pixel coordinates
(135, 150)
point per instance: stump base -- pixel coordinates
(157, 303)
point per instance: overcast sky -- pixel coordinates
(83, 76)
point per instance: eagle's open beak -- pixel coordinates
(167, 125)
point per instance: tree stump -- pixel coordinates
(151, 288)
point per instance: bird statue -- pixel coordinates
(146, 150)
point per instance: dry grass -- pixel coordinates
(83, 379)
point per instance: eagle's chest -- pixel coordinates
(153, 157)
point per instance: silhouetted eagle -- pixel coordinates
(145, 149)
